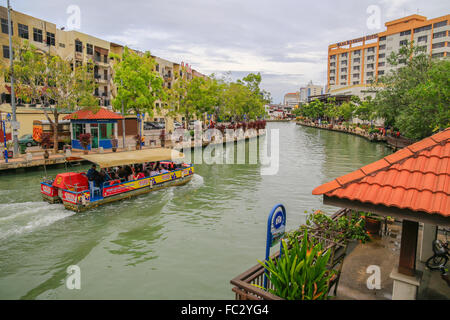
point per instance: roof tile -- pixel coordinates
(415, 178)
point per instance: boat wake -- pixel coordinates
(26, 217)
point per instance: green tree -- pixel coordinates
(415, 95)
(41, 78)
(138, 84)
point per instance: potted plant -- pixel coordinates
(9, 146)
(372, 222)
(138, 141)
(85, 141)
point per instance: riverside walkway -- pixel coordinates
(35, 157)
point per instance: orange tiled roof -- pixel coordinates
(416, 177)
(87, 114)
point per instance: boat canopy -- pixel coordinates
(107, 160)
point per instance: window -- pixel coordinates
(333, 71)
(370, 66)
(343, 69)
(332, 78)
(356, 75)
(37, 35)
(157, 67)
(422, 39)
(440, 24)
(381, 72)
(355, 82)
(438, 45)
(50, 39)
(356, 68)
(369, 81)
(89, 49)
(356, 60)
(381, 55)
(371, 50)
(357, 52)
(5, 26)
(344, 63)
(23, 31)
(343, 77)
(405, 33)
(62, 45)
(6, 52)
(439, 34)
(370, 74)
(331, 65)
(421, 29)
(383, 38)
(343, 83)
(106, 130)
(437, 55)
(344, 54)
(423, 48)
(403, 42)
(381, 64)
(105, 58)
(382, 47)
(333, 57)
(78, 46)
(371, 58)
(77, 129)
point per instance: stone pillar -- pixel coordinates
(429, 234)
(405, 287)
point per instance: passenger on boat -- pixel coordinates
(154, 172)
(94, 175)
(122, 173)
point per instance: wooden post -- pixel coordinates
(408, 248)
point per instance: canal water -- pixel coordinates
(185, 242)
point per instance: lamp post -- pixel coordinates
(13, 97)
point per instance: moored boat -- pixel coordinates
(78, 193)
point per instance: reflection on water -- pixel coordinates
(185, 242)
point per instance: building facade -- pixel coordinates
(355, 64)
(292, 99)
(308, 91)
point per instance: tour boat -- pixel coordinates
(77, 193)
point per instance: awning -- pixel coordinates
(107, 160)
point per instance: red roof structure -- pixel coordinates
(415, 178)
(88, 114)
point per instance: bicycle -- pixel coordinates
(440, 257)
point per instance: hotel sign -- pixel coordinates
(367, 38)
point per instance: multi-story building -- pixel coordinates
(308, 91)
(80, 48)
(292, 99)
(355, 64)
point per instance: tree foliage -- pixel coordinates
(138, 84)
(415, 95)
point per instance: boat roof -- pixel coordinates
(106, 160)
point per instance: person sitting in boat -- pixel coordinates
(94, 175)
(122, 173)
(163, 170)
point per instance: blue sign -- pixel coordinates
(209, 117)
(276, 226)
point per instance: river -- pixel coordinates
(185, 242)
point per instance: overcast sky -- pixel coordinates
(286, 41)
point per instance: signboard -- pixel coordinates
(276, 227)
(374, 36)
